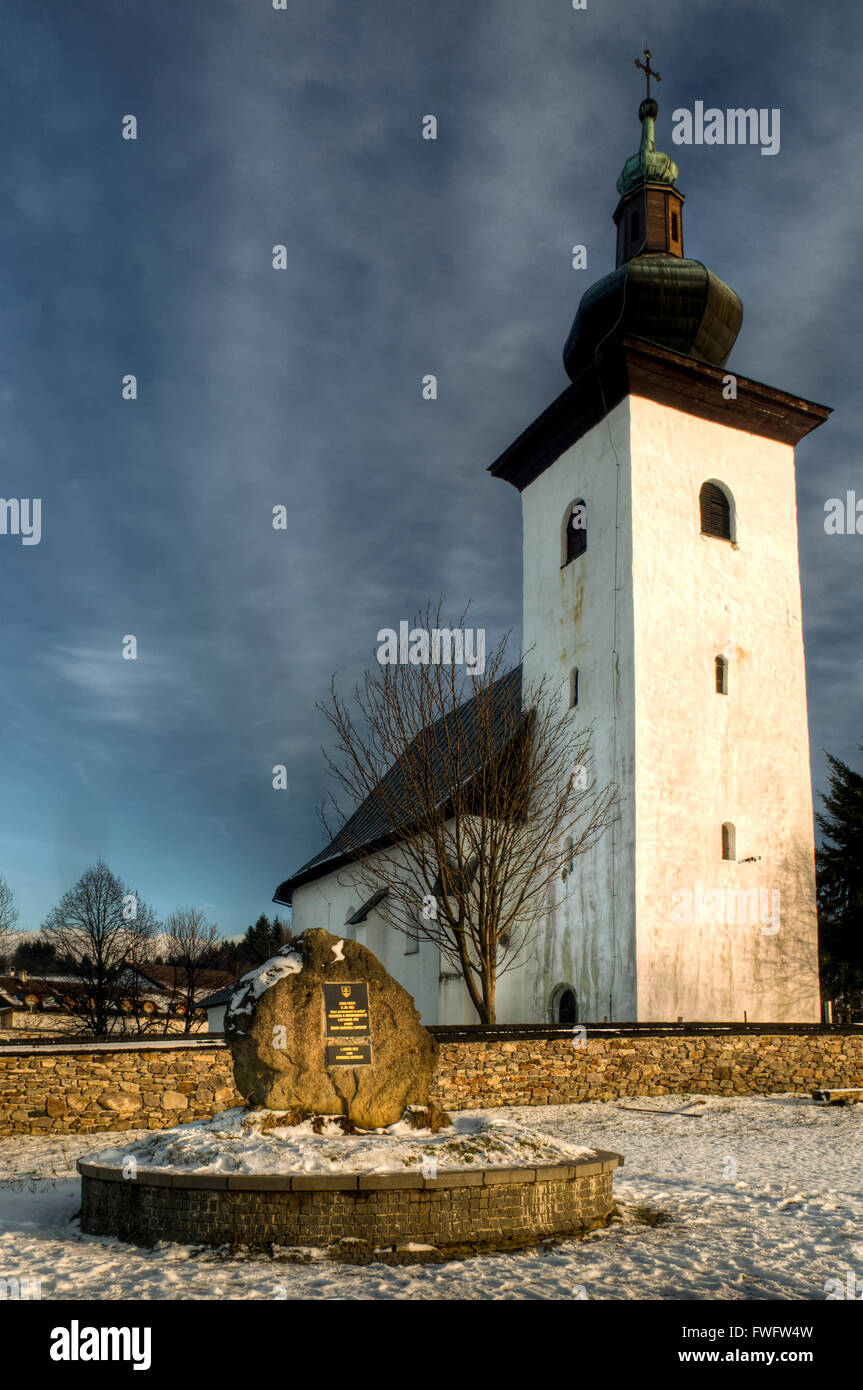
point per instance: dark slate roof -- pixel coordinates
(222, 996)
(50, 992)
(370, 827)
(362, 912)
(171, 979)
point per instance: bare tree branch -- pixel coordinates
(480, 793)
(101, 927)
(191, 941)
(8, 917)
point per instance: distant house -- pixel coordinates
(37, 1004)
(166, 985)
(215, 1005)
(150, 1000)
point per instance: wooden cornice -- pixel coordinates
(635, 367)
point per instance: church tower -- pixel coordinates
(662, 592)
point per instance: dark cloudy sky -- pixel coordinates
(302, 387)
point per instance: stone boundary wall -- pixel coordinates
(70, 1088)
(553, 1071)
(80, 1088)
(457, 1212)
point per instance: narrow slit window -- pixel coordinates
(573, 687)
(576, 531)
(721, 676)
(728, 841)
(674, 226)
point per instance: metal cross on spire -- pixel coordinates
(647, 70)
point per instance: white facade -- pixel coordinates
(649, 927)
(571, 620)
(654, 924)
(704, 758)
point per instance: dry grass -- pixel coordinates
(262, 1121)
(427, 1117)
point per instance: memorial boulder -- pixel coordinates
(323, 1029)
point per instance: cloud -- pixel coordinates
(103, 687)
(256, 387)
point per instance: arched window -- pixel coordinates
(728, 840)
(574, 531)
(721, 676)
(715, 512)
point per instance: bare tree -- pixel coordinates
(190, 943)
(478, 793)
(100, 926)
(8, 917)
(138, 1009)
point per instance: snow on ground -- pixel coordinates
(761, 1199)
(223, 1145)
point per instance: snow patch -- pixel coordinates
(225, 1144)
(729, 1240)
(256, 982)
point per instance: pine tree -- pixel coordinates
(281, 933)
(261, 941)
(840, 887)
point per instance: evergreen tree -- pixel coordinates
(37, 956)
(226, 956)
(262, 941)
(840, 888)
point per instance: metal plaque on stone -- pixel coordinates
(347, 1025)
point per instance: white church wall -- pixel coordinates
(642, 614)
(587, 941)
(435, 983)
(706, 758)
(331, 899)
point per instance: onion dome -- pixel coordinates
(650, 165)
(655, 292)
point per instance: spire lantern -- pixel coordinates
(649, 216)
(650, 165)
(673, 301)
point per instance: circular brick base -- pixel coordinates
(456, 1212)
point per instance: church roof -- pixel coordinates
(372, 827)
(639, 368)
